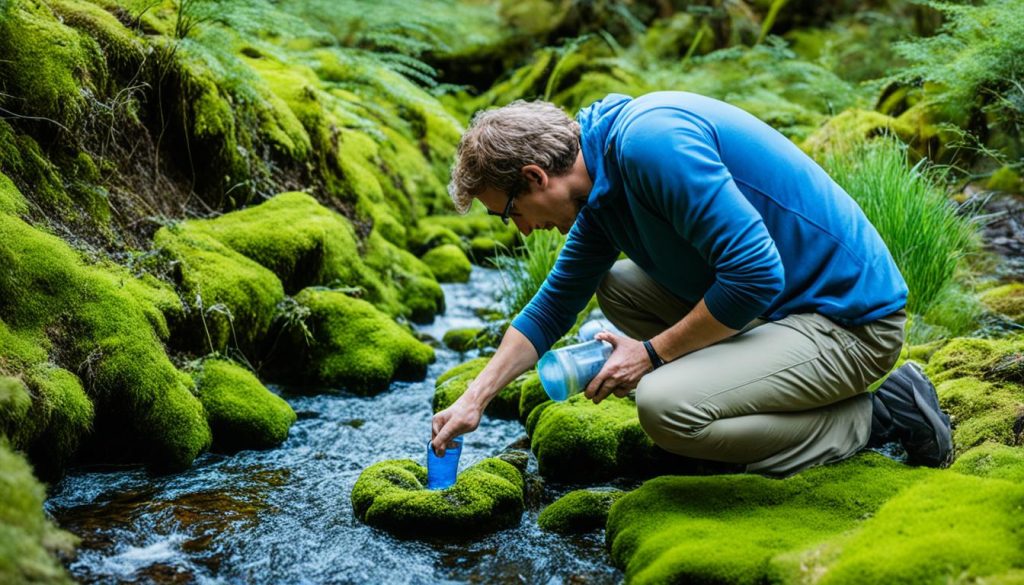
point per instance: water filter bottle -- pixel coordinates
(567, 370)
(442, 471)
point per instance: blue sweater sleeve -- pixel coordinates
(670, 160)
(585, 258)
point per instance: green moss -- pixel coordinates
(992, 460)
(242, 413)
(1007, 299)
(11, 200)
(47, 67)
(578, 511)
(22, 159)
(418, 291)
(531, 396)
(742, 528)
(231, 299)
(994, 359)
(453, 384)
(63, 415)
(28, 541)
(482, 248)
(852, 126)
(15, 403)
(352, 345)
(391, 495)
(983, 411)
(144, 406)
(464, 338)
(425, 237)
(448, 263)
(1005, 179)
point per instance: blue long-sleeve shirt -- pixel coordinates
(713, 203)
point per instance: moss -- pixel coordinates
(48, 66)
(242, 413)
(391, 495)
(92, 323)
(63, 415)
(352, 345)
(1007, 299)
(1005, 179)
(992, 460)
(948, 527)
(418, 291)
(448, 263)
(232, 299)
(531, 396)
(735, 528)
(453, 384)
(22, 159)
(28, 541)
(851, 126)
(482, 248)
(15, 403)
(983, 411)
(474, 224)
(464, 338)
(995, 359)
(11, 200)
(425, 237)
(578, 511)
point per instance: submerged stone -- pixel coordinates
(392, 495)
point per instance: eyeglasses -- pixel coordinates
(504, 215)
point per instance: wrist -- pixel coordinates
(652, 354)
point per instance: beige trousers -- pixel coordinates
(778, 397)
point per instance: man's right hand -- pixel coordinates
(458, 419)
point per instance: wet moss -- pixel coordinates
(418, 292)
(392, 495)
(453, 384)
(28, 541)
(983, 411)
(242, 413)
(425, 237)
(531, 396)
(1007, 299)
(992, 359)
(15, 403)
(463, 339)
(578, 511)
(63, 416)
(350, 344)
(448, 263)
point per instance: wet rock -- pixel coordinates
(392, 495)
(579, 511)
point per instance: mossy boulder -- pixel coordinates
(29, 543)
(983, 411)
(15, 402)
(425, 237)
(484, 235)
(452, 384)
(579, 441)
(531, 395)
(463, 339)
(448, 263)
(1007, 299)
(579, 511)
(392, 495)
(990, 359)
(852, 126)
(345, 342)
(62, 415)
(242, 413)
(992, 460)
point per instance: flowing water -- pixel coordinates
(284, 515)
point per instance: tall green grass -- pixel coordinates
(524, 270)
(921, 226)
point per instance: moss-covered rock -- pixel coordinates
(485, 236)
(852, 126)
(1007, 299)
(28, 541)
(579, 511)
(15, 403)
(392, 495)
(448, 263)
(983, 411)
(531, 396)
(992, 460)
(345, 342)
(426, 236)
(1005, 179)
(463, 339)
(453, 384)
(63, 417)
(242, 413)
(991, 359)
(579, 441)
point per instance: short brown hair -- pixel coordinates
(502, 141)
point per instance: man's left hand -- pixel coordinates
(623, 370)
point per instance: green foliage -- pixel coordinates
(242, 413)
(391, 495)
(578, 511)
(353, 346)
(922, 229)
(28, 540)
(523, 272)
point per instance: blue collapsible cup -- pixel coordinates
(442, 471)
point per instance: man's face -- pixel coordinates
(549, 203)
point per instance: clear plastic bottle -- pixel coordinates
(567, 370)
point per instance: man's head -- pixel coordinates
(524, 157)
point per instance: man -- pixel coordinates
(758, 300)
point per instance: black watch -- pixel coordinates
(656, 360)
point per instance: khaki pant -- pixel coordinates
(779, 397)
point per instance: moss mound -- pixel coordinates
(28, 540)
(452, 384)
(990, 359)
(578, 511)
(1007, 299)
(340, 341)
(992, 460)
(983, 411)
(448, 263)
(242, 413)
(392, 495)
(531, 396)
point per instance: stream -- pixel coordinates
(284, 515)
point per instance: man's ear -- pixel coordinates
(535, 176)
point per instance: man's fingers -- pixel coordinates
(592, 388)
(604, 390)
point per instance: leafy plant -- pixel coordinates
(524, 270)
(926, 233)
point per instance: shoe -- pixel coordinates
(906, 408)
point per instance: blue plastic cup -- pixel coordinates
(442, 471)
